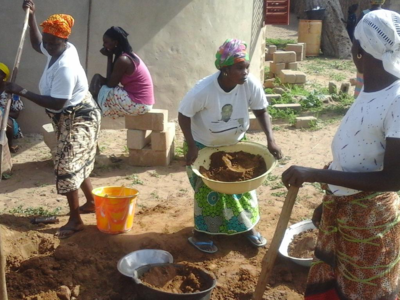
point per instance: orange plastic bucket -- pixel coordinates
(115, 208)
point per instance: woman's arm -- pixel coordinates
(35, 35)
(121, 67)
(185, 124)
(44, 101)
(265, 122)
(386, 180)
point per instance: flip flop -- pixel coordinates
(66, 232)
(257, 240)
(198, 245)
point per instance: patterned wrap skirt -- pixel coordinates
(77, 129)
(358, 248)
(115, 102)
(217, 213)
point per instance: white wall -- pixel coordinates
(177, 39)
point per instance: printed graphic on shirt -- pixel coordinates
(227, 123)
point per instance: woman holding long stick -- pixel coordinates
(358, 248)
(75, 116)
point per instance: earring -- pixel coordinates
(225, 74)
(359, 56)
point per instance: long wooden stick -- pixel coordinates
(3, 137)
(3, 284)
(270, 257)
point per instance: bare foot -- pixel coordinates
(69, 229)
(87, 208)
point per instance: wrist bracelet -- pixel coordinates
(23, 92)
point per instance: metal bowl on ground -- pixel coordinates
(134, 260)
(238, 187)
(145, 292)
(288, 238)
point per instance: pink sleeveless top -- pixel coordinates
(139, 85)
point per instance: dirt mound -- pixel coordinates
(234, 166)
(303, 244)
(182, 279)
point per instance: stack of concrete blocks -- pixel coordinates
(299, 48)
(271, 49)
(49, 138)
(150, 139)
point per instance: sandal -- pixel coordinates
(257, 240)
(203, 246)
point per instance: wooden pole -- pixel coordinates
(3, 128)
(270, 257)
(3, 285)
(3, 143)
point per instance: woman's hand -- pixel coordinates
(105, 52)
(13, 88)
(29, 4)
(275, 150)
(296, 176)
(191, 155)
(316, 217)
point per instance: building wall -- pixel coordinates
(177, 39)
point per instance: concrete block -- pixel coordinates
(269, 83)
(269, 57)
(294, 106)
(294, 47)
(271, 97)
(284, 57)
(298, 48)
(137, 139)
(162, 140)
(276, 68)
(291, 66)
(293, 77)
(254, 124)
(304, 50)
(305, 122)
(332, 88)
(272, 49)
(148, 157)
(156, 119)
(345, 87)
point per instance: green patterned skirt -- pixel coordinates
(217, 213)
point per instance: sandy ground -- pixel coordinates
(39, 266)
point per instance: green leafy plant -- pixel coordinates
(280, 43)
(135, 179)
(34, 211)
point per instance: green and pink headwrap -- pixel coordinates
(231, 52)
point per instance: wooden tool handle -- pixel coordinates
(270, 257)
(12, 79)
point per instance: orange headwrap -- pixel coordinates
(59, 25)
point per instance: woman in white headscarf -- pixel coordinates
(358, 248)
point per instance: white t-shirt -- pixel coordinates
(219, 118)
(360, 142)
(65, 79)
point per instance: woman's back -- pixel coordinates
(139, 84)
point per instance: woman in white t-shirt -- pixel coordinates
(216, 113)
(358, 248)
(75, 116)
